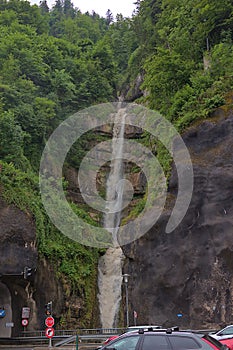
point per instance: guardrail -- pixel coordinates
(62, 336)
(79, 331)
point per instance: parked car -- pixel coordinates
(163, 340)
(130, 329)
(228, 342)
(224, 333)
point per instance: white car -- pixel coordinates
(224, 333)
(136, 328)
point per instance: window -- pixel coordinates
(155, 342)
(128, 343)
(227, 331)
(179, 343)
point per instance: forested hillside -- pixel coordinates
(175, 56)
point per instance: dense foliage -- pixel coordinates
(54, 62)
(188, 63)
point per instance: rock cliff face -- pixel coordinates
(190, 271)
(18, 240)
(17, 251)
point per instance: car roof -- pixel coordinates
(132, 328)
(172, 330)
(230, 325)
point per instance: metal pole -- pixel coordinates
(127, 304)
(51, 313)
(76, 342)
(126, 279)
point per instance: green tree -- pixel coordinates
(11, 140)
(109, 17)
(44, 7)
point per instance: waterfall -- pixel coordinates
(110, 264)
(109, 283)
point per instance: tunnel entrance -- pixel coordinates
(5, 304)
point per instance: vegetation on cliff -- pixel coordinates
(54, 62)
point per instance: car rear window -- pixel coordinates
(179, 343)
(155, 342)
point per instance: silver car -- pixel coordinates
(224, 333)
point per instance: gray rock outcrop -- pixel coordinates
(190, 271)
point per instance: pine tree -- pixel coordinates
(109, 17)
(44, 6)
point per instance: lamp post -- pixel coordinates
(126, 280)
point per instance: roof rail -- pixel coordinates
(151, 329)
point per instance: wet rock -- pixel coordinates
(18, 240)
(189, 271)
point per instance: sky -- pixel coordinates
(125, 7)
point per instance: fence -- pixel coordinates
(79, 331)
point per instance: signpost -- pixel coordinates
(49, 332)
(24, 323)
(25, 312)
(49, 322)
(25, 316)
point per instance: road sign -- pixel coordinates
(49, 332)
(49, 321)
(2, 313)
(10, 324)
(25, 322)
(25, 312)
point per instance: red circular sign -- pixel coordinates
(49, 321)
(49, 332)
(24, 322)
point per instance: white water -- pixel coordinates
(109, 282)
(110, 264)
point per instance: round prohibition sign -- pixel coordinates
(49, 332)
(49, 321)
(24, 322)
